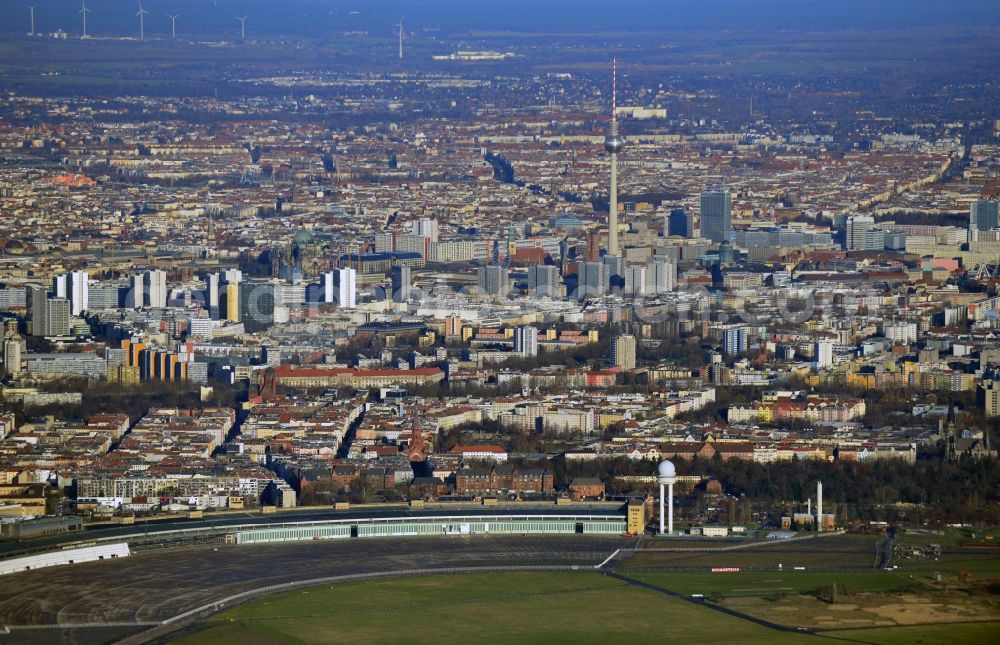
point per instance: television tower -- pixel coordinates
(614, 144)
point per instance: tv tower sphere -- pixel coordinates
(614, 142)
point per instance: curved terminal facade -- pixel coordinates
(388, 527)
(330, 524)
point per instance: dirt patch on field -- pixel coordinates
(870, 610)
(844, 607)
(802, 611)
(914, 610)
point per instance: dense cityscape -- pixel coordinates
(413, 270)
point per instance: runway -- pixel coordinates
(153, 586)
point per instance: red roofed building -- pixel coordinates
(603, 378)
(527, 256)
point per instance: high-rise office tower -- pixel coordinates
(623, 352)
(57, 312)
(983, 215)
(661, 275)
(79, 292)
(716, 214)
(735, 340)
(103, 296)
(75, 288)
(135, 299)
(563, 254)
(526, 341)
(385, 242)
(593, 247)
(615, 272)
(614, 144)
(329, 291)
(452, 325)
(543, 281)
(823, 354)
(680, 223)
(155, 283)
(12, 355)
(636, 279)
(212, 281)
(59, 287)
(592, 280)
(425, 227)
(400, 278)
(494, 280)
(257, 300)
(232, 302)
(345, 281)
(37, 300)
(862, 235)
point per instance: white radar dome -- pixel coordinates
(667, 469)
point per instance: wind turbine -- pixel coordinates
(400, 25)
(243, 27)
(142, 26)
(32, 9)
(83, 12)
(173, 25)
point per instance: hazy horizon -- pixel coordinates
(312, 18)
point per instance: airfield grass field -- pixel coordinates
(774, 583)
(583, 607)
(508, 607)
(842, 551)
(923, 634)
(957, 586)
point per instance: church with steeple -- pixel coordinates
(967, 441)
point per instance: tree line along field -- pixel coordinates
(583, 607)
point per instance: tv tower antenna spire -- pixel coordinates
(614, 144)
(614, 90)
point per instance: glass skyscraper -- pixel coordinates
(716, 214)
(680, 223)
(983, 216)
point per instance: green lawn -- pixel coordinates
(584, 607)
(775, 583)
(960, 634)
(505, 608)
(986, 565)
(824, 552)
